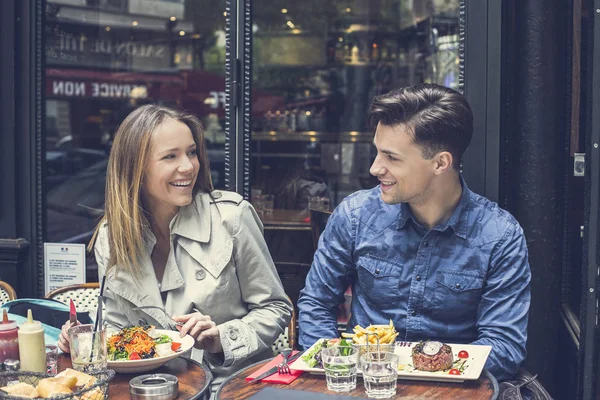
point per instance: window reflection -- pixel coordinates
(317, 66)
(103, 59)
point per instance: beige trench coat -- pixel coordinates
(219, 264)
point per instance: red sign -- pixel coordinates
(113, 90)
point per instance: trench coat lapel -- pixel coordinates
(197, 228)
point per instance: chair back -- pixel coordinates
(523, 386)
(287, 340)
(7, 293)
(293, 278)
(85, 296)
(318, 221)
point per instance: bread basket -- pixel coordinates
(96, 391)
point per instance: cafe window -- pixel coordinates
(103, 59)
(316, 67)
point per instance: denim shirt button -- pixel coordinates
(377, 271)
(458, 285)
(413, 312)
(418, 278)
(425, 244)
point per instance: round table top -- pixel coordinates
(194, 378)
(485, 388)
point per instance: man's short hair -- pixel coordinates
(439, 118)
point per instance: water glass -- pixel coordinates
(318, 203)
(88, 348)
(340, 364)
(380, 372)
(258, 203)
(268, 203)
(51, 359)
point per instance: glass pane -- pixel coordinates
(103, 59)
(317, 66)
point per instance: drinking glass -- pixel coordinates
(340, 363)
(258, 203)
(51, 359)
(268, 203)
(380, 372)
(88, 348)
(318, 203)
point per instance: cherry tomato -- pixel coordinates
(463, 354)
(175, 346)
(454, 371)
(135, 356)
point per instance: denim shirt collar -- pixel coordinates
(457, 221)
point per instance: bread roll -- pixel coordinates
(49, 387)
(21, 389)
(83, 379)
(68, 381)
(95, 394)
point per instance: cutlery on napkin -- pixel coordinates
(268, 373)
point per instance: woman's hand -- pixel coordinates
(63, 339)
(203, 329)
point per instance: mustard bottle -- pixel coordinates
(32, 346)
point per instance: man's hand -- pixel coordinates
(203, 329)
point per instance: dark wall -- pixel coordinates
(533, 159)
(21, 217)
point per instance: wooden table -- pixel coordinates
(194, 378)
(485, 388)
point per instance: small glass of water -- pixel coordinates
(268, 203)
(51, 359)
(340, 363)
(380, 372)
(88, 348)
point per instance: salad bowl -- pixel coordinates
(182, 346)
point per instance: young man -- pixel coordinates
(421, 249)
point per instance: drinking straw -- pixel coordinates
(99, 305)
(98, 323)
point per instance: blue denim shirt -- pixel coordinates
(464, 281)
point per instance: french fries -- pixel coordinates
(386, 334)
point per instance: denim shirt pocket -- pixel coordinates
(457, 295)
(379, 280)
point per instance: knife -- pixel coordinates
(72, 313)
(274, 369)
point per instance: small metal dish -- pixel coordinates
(154, 386)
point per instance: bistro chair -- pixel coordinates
(293, 278)
(318, 221)
(85, 296)
(287, 340)
(7, 293)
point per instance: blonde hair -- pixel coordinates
(124, 212)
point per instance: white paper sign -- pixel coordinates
(64, 264)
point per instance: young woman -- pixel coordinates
(168, 239)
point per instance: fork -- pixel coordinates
(161, 309)
(283, 368)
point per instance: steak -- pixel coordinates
(432, 356)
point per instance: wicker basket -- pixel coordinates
(97, 391)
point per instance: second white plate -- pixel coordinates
(473, 366)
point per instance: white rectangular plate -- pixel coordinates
(473, 366)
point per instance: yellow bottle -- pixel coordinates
(32, 346)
